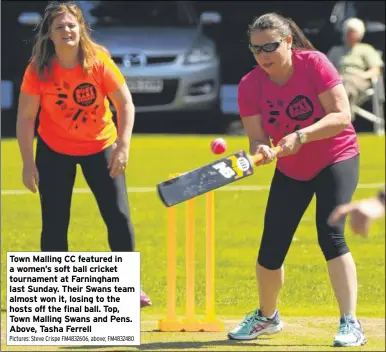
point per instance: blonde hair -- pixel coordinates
(43, 49)
(354, 24)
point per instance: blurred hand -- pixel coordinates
(118, 160)
(362, 214)
(268, 154)
(30, 176)
(289, 144)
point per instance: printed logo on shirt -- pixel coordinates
(300, 108)
(85, 94)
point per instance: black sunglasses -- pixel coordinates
(268, 48)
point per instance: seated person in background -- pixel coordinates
(357, 62)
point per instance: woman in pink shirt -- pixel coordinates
(295, 99)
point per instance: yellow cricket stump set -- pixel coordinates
(190, 323)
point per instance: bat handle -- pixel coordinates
(255, 159)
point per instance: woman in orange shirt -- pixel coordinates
(70, 79)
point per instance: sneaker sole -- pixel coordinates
(145, 304)
(355, 344)
(268, 331)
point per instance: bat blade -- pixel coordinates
(205, 179)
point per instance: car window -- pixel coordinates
(138, 13)
(369, 10)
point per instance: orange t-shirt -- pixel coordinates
(75, 115)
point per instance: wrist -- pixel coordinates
(122, 143)
(27, 162)
(302, 137)
(258, 142)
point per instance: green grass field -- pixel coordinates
(307, 303)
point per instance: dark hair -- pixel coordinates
(284, 26)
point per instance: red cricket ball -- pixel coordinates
(218, 146)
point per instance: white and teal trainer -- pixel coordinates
(255, 324)
(350, 333)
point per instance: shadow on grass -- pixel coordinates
(195, 345)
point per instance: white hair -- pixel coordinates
(354, 24)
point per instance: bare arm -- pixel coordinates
(25, 126)
(255, 132)
(373, 72)
(123, 103)
(338, 116)
(25, 130)
(374, 62)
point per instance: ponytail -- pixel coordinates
(299, 40)
(285, 26)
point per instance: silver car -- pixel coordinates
(160, 48)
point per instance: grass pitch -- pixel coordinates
(307, 304)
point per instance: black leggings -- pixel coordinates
(288, 200)
(56, 182)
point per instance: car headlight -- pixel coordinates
(200, 54)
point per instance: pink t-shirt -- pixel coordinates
(295, 105)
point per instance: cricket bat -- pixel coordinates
(208, 177)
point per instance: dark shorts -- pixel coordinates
(288, 200)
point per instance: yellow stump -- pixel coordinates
(191, 323)
(210, 323)
(171, 322)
